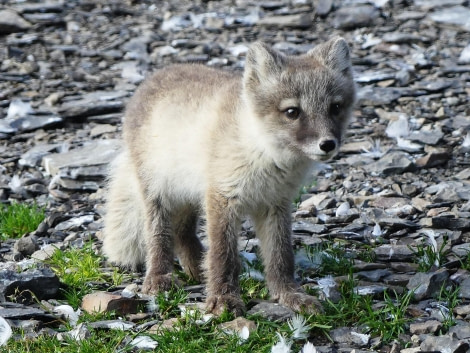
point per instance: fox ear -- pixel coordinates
(334, 54)
(262, 63)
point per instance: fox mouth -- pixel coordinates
(323, 157)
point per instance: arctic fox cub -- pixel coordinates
(206, 142)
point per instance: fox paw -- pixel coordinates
(300, 302)
(217, 304)
(154, 284)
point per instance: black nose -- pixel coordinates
(328, 145)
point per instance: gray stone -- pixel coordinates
(461, 331)
(394, 162)
(11, 21)
(451, 223)
(434, 158)
(40, 282)
(295, 21)
(426, 285)
(464, 57)
(99, 152)
(464, 291)
(431, 4)
(26, 245)
(21, 312)
(446, 344)
(323, 7)
(28, 122)
(429, 326)
(377, 96)
(307, 227)
(349, 336)
(271, 311)
(353, 17)
(373, 276)
(431, 137)
(389, 252)
(457, 16)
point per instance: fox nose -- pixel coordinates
(327, 145)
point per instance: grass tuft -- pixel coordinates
(18, 219)
(79, 270)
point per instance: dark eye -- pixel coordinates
(335, 108)
(292, 113)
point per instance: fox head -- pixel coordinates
(302, 102)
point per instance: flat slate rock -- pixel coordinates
(271, 311)
(42, 282)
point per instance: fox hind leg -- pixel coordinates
(187, 245)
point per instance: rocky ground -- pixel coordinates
(401, 183)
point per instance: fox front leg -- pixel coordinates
(223, 264)
(273, 228)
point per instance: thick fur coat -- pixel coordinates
(206, 142)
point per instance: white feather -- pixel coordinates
(309, 348)
(68, 313)
(283, 346)
(343, 210)
(5, 331)
(144, 342)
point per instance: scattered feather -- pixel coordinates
(375, 151)
(248, 256)
(120, 325)
(323, 217)
(204, 319)
(432, 239)
(64, 147)
(244, 333)
(404, 210)
(19, 109)
(283, 346)
(363, 337)
(398, 128)
(326, 284)
(255, 274)
(343, 210)
(5, 331)
(68, 313)
(299, 327)
(144, 342)
(408, 145)
(309, 348)
(377, 231)
(15, 184)
(152, 305)
(466, 141)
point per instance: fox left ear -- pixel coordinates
(262, 64)
(334, 54)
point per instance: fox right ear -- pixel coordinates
(262, 63)
(334, 54)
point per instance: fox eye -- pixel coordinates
(292, 113)
(335, 108)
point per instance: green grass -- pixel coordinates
(449, 297)
(387, 320)
(18, 219)
(427, 257)
(79, 269)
